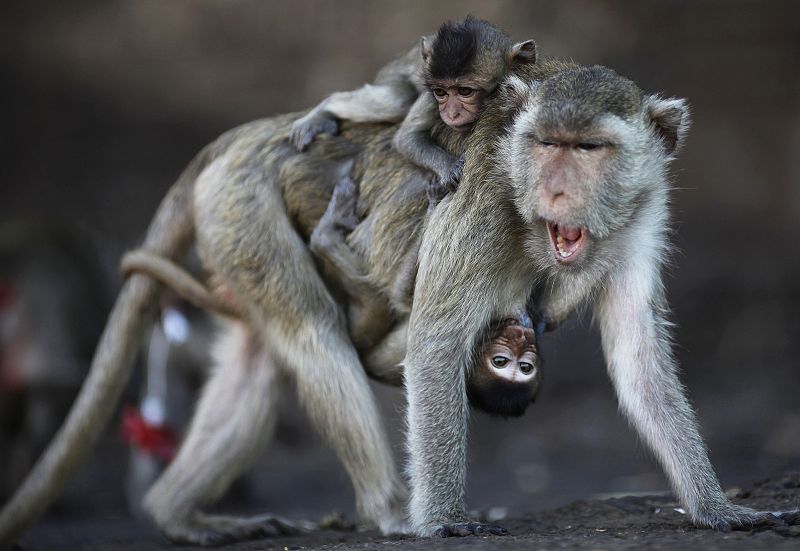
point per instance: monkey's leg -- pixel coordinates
(387, 102)
(384, 362)
(369, 314)
(235, 415)
(635, 340)
(299, 321)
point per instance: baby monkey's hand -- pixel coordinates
(451, 180)
(305, 129)
(439, 188)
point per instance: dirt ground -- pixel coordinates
(630, 522)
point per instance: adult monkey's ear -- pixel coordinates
(522, 53)
(670, 119)
(425, 48)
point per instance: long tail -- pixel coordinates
(170, 234)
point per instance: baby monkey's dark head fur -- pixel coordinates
(473, 47)
(463, 64)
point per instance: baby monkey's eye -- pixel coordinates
(525, 367)
(439, 92)
(500, 361)
(465, 91)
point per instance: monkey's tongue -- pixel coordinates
(566, 240)
(569, 233)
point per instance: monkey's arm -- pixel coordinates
(636, 343)
(441, 341)
(386, 102)
(413, 140)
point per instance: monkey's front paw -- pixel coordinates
(304, 130)
(462, 529)
(737, 517)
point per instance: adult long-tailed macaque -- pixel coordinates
(575, 200)
(561, 150)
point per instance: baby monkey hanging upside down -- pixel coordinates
(505, 379)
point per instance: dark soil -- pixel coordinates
(631, 522)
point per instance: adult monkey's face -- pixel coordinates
(591, 144)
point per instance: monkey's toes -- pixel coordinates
(461, 529)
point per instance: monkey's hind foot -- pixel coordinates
(340, 217)
(305, 129)
(216, 530)
(461, 529)
(737, 517)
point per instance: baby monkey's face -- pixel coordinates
(512, 355)
(460, 102)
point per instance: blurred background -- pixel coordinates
(104, 103)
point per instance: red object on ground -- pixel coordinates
(160, 441)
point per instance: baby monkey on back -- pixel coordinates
(446, 76)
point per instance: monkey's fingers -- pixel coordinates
(451, 183)
(461, 529)
(737, 517)
(304, 130)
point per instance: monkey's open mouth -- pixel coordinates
(567, 241)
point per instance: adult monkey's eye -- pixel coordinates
(500, 361)
(525, 367)
(465, 92)
(439, 92)
(589, 146)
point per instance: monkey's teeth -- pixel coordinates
(567, 244)
(561, 250)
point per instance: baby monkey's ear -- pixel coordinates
(522, 53)
(425, 48)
